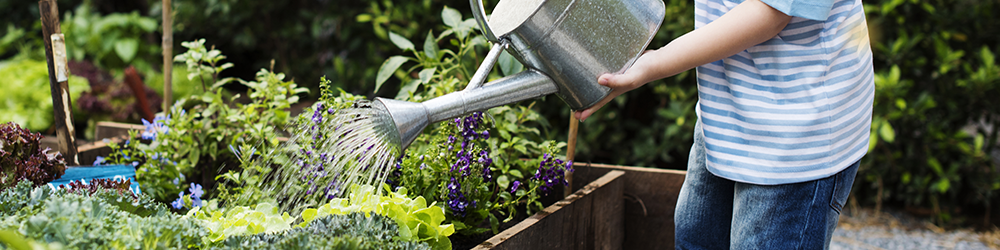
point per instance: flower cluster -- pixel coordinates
(550, 172)
(457, 201)
(194, 197)
(469, 159)
(312, 164)
(157, 126)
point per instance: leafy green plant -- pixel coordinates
(240, 220)
(103, 219)
(417, 220)
(113, 41)
(342, 231)
(27, 96)
(23, 158)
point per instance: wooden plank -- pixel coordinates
(115, 129)
(608, 217)
(90, 151)
(650, 196)
(571, 223)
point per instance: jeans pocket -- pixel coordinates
(842, 186)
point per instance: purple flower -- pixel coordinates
(513, 188)
(453, 186)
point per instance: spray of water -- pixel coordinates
(325, 155)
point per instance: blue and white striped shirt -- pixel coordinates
(795, 108)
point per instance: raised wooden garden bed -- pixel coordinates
(649, 198)
(614, 207)
(590, 218)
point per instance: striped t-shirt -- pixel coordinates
(795, 108)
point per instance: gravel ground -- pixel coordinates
(891, 230)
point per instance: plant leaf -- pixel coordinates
(126, 49)
(426, 75)
(401, 41)
(886, 132)
(430, 46)
(387, 69)
(451, 17)
(508, 64)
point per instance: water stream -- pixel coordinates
(325, 155)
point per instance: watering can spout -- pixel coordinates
(411, 118)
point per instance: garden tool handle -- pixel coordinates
(484, 69)
(479, 12)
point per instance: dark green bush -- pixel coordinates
(936, 116)
(343, 40)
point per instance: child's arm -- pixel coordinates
(750, 23)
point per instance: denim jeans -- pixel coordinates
(717, 213)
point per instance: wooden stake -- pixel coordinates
(135, 83)
(574, 125)
(168, 56)
(55, 57)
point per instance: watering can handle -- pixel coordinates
(479, 12)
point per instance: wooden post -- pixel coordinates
(574, 125)
(168, 56)
(55, 56)
(134, 82)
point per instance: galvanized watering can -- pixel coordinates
(566, 45)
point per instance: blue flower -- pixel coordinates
(179, 203)
(152, 128)
(196, 191)
(196, 202)
(99, 161)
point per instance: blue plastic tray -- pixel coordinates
(87, 173)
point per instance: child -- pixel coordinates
(785, 99)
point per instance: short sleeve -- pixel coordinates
(809, 9)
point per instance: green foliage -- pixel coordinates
(481, 189)
(342, 231)
(240, 220)
(27, 96)
(342, 40)
(416, 220)
(23, 158)
(103, 220)
(113, 41)
(936, 118)
(193, 142)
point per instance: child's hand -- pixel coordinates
(619, 84)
